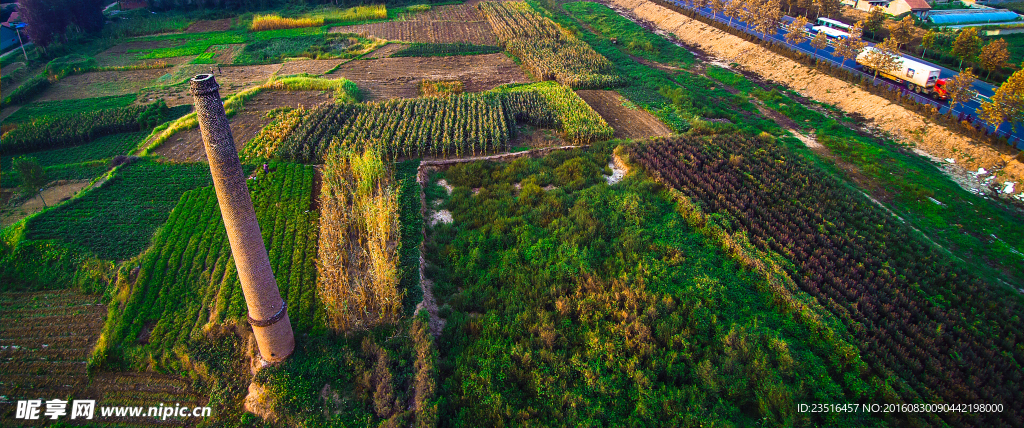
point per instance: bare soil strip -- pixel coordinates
(387, 78)
(53, 195)
(893, 119)
(629, 121)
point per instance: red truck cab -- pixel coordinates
(940, 89)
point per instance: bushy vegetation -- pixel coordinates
(444, 49)
(116, 221)
(187, 279)
(918, 315)
(548, 51)
(588, 304)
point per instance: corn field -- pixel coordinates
(454, 125)
(359, 239)
(548, 50)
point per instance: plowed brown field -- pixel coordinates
(893, 119)
(387, 78)
(630, 122)
(442, 24)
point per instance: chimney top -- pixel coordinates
(203, 84)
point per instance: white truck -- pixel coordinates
(919, 77)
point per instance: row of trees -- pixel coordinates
(52, 21)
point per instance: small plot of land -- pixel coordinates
(100, 84)
(206, 26)
(231, 80)
(187, 146)
(385, 51)
(444, 24)
(388, 78)
(124, 53)
(44, 344)
(225, 54)
(478, 33)
(51, 196)
(311, 66)
(629, 121)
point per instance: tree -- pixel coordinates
(33, 176)
(828, 7)
(805, 5)
(699, 4)
(883, 58)
(820, 41)
(960, 89)
(875, 19)
(928, 40)
(850, 47)
(716, 7)
(1007, 104)
(749, 14)
(733, 9)
(767, 16)
(796, 31)
(903, 31)
(49, 20)
(994, 55)
(967, 44)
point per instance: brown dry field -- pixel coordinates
(388, 78)
(206, 26)
(629, 123)
(101, 84)
(893, 119)
(311, 66)
(52, 195)
(187, 146)
(44, 345)
(231, 80)
(442, 24)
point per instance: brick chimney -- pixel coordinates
(268, 313)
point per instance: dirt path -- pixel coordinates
(53, 195)
(628, 120)
(891, 118)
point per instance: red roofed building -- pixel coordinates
(893, 7)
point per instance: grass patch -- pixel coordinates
(314, 47)
(50, 108)
(633, 38)
(117, 220)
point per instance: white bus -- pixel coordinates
(831, 23)
(831, 33)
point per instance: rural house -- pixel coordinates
(893, 7)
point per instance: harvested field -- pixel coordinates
(231, 80)
(311, 66)
(187, 146)
(101, 84)
(478, 33)
(206, 26)
(388, 78)
(629, 121)
(42, 356)
(385, 51)
(893, 119)
(52, 196)
(461, 23)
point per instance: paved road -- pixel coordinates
(969, 108)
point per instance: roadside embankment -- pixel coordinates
(895, 120)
